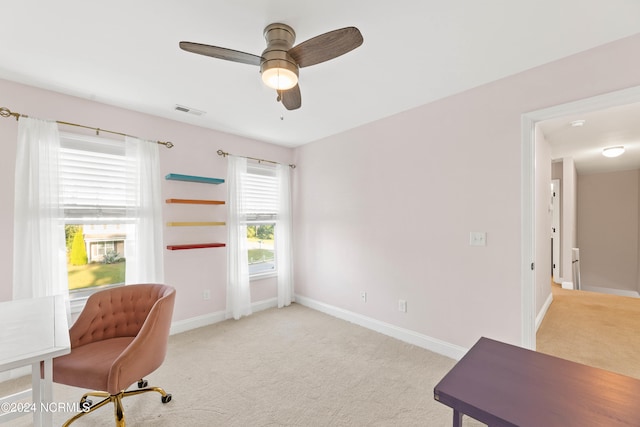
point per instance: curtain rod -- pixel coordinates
(224, 154)
(5, 112)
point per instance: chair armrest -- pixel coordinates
(79, 332)
(147, 351)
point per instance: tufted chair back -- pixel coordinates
(119, 312)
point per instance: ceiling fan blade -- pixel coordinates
(326, 46)
(291, 98)
(221, 53)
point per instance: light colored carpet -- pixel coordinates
(288, 367)
(594, 329)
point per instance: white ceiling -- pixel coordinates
(606, 128)
(125, 53)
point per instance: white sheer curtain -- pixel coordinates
(143, 245)
(284, 252)
(238, 292)
(39, 254)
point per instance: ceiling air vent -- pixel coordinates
(189, 110)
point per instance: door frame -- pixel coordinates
(556, 223)
(528, 141)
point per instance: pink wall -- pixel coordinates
(608, 222)
(387, 208)
(191, 271)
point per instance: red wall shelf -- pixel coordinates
(195, 246)
(196, 201)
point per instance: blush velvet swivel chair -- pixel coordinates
(119, 337)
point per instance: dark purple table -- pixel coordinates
(504, 385)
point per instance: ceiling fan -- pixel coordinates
(280, 61)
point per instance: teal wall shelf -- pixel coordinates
(192, 178)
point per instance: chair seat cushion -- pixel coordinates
(89, 365)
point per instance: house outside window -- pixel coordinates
(105, 243)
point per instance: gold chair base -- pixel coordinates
(117, 403)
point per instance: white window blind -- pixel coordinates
(93, 179)
(260, 193)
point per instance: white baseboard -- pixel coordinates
(185, 325)
(567, 285)
(264, 304)
(432, 344)
(611, 291)
(543, 311)
(15, 373)
(211, 318)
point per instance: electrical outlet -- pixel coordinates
(206, 294)
(478, 238)
(402, 305)
(363, 296)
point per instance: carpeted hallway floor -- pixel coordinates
(592, 328)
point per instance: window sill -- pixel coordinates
(257, 277)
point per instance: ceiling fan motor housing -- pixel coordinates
(280, 39)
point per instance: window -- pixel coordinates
(94, 197)
(259, 198)
(261, 204)
(82, 184)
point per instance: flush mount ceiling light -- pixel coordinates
(613, 151)
(578, 123)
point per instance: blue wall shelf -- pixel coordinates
(192, 178)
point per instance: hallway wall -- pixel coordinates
(608, 226)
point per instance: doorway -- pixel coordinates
(530, 276)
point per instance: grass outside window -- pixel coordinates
(96, 274)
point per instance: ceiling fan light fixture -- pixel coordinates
(613, 151)
(279, 74)
(280, 60)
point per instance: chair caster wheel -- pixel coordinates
(143, 383)
(166, 399)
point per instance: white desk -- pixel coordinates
(33, 331)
